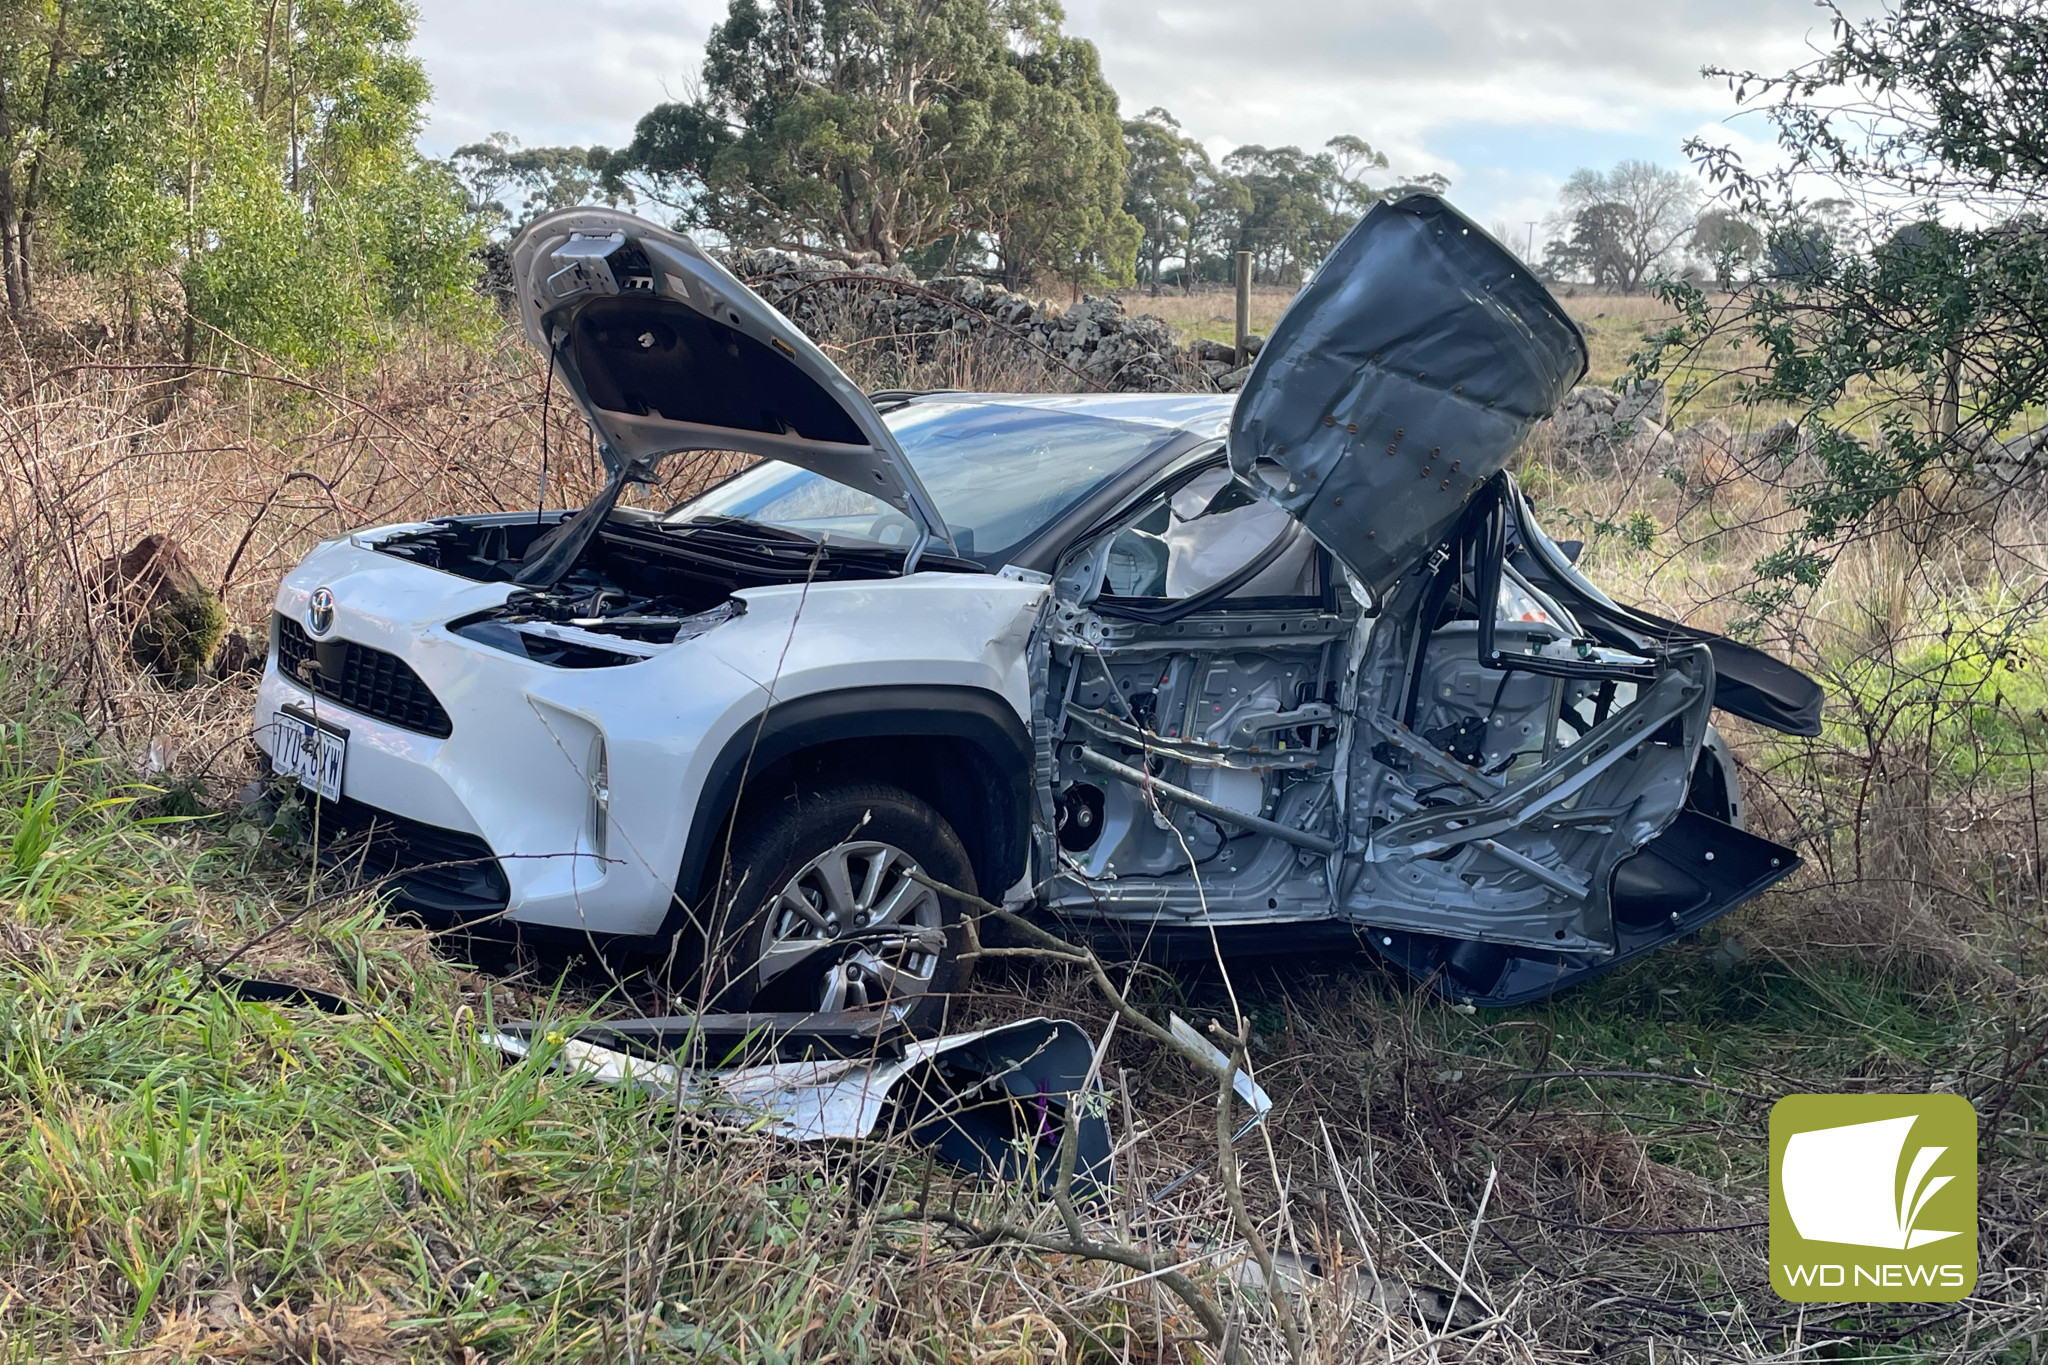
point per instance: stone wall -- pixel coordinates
(1094, 342)
(1600, 429)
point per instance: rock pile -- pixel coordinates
(2014, 457)
(1597, 425)
(1218, 362)
(1095, 340)
(1599, 429)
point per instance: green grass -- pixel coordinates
(1968, 684)
(1758, 1026)
(180, 1169)
(184, 1174)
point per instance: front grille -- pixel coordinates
(361, 678)
(443, 875)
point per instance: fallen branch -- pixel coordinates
(1160, 1268)
(1233, 1193)
(1052, 946)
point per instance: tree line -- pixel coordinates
(245, 173)
(248, 170)
(977, 135)
(946, 134)
(1896, 302)
(1642, 226)
(1626, 228)
(241, 169)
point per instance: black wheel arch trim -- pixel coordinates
(975, 715)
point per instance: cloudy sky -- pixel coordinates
(1506, 97)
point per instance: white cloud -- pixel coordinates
(1543, 84)
(553, 75)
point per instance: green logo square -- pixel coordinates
(1873, 1198)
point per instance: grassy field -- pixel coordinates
(187, 1175)
(1210, 312)
(1615, 324)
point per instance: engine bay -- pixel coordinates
(641, 584)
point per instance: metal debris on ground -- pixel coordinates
(993, 1101)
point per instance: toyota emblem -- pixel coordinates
(320, 611)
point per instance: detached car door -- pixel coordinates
(1517, 779)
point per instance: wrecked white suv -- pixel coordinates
(1154, 664)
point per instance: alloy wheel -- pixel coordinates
(858, 916)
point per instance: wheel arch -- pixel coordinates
(961, 749)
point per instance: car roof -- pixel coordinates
(1198, 414)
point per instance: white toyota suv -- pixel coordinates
(1153, 664)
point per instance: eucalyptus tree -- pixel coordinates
(1054, 207)
(245, 168)
(1627, 221)
(1168, 171)
(1729, 243)
(36, 54)
(1295, 206)
(1288, 217)
(508, 185)
(865, 129)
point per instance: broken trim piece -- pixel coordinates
(997, 1104)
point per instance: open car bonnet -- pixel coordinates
(1398, 382)
(666, 351)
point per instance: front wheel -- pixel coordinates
(825, 905)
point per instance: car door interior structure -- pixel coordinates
(1358, 685)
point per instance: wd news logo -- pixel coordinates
(1873, 1198)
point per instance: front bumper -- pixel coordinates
(518, 769)
(447, 878)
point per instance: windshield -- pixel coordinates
(998, 472)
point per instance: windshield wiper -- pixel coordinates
(719, 521)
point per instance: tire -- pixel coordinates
(788, 927)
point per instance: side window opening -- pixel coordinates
(1195, 538)
(1546, 686)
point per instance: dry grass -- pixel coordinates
(1211, 310)
(1614, 324)
(184, 1176)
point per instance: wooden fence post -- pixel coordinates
(1948, 418)
(1244, 307)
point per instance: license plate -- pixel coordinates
(312, 752)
